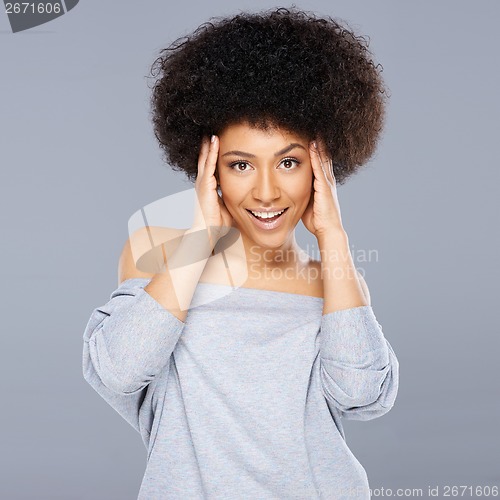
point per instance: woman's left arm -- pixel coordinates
(359, 369)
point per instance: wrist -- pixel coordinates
(334, 248)
(332, 238)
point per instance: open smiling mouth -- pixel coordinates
(267, 222)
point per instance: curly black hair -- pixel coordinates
(282, 67)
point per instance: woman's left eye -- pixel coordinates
(291, 160)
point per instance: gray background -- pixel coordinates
(78, 157)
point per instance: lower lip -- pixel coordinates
(274, 224)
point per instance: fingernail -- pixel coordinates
(315, 145)
(212, 139)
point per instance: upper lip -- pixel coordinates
(267, 209)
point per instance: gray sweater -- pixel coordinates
(244, 400)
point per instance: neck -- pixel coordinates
(286, 256)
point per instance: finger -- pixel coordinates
(330, 171)
(325, 160)
(213, 153)
(318, 171)
(202, 158)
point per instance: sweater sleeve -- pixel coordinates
(359, 369)
(128, 343)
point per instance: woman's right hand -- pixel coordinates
(210, 211)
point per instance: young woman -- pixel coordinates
(238, 391)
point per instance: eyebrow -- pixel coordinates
(278, 153)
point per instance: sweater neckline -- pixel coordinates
(274, 293)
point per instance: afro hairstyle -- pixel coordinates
(283, 67)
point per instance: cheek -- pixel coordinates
(301, 190)
(231, 191)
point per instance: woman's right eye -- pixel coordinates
(237, 163)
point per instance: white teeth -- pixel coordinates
(267, 215)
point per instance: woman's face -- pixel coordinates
(264, 171)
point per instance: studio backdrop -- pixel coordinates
(80, 162)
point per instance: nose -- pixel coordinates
(266, 188)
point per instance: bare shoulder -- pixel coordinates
(143, 255)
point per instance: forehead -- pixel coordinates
(251, 136)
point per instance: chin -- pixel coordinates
(271, 241)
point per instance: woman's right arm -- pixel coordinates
(128, 343)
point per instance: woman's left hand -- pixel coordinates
(322, 215)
